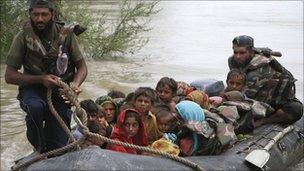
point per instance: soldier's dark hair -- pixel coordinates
(234, 72)
(41, 4)
(167, 81)
(243, 41)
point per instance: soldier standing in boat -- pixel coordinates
(47, 51)
(266, 81)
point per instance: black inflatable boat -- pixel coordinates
(286, 152)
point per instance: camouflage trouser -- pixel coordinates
(211, 146)
(245, 124)
(294, 107)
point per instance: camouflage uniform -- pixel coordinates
(38, 56)
(246, 110)
(223, 122)
(269, 82)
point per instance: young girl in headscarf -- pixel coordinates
(129, 129)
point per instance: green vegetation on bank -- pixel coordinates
(103, 37)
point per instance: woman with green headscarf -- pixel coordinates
(109, 108)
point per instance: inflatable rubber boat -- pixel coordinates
(285, 151)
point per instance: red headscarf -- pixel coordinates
(119, 133)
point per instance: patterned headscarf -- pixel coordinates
(107, 99)
(183, 89)
(200, 98)
(193, 116)
(167, 146)
(104, 99)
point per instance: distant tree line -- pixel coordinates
(103, 38)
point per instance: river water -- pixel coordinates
(189, 41)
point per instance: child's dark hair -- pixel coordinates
(161, 110)
(132, 113)
(147, 92)
(89, 106)
(234, 72)
(116, 94)
(167, 81)
(129, 97)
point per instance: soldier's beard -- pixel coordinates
(242, 64)
(41, 32)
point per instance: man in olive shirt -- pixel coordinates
(38, 48)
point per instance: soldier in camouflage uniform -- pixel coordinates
(38, 48)
(266, 81)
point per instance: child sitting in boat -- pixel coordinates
(129, 129)
(144, 98)
(166, 121)
(166, 89)
(167, 125)
(98, 128)
(94, 113)
(109, 108)
(236, 81)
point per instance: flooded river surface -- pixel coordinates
(189, 41)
